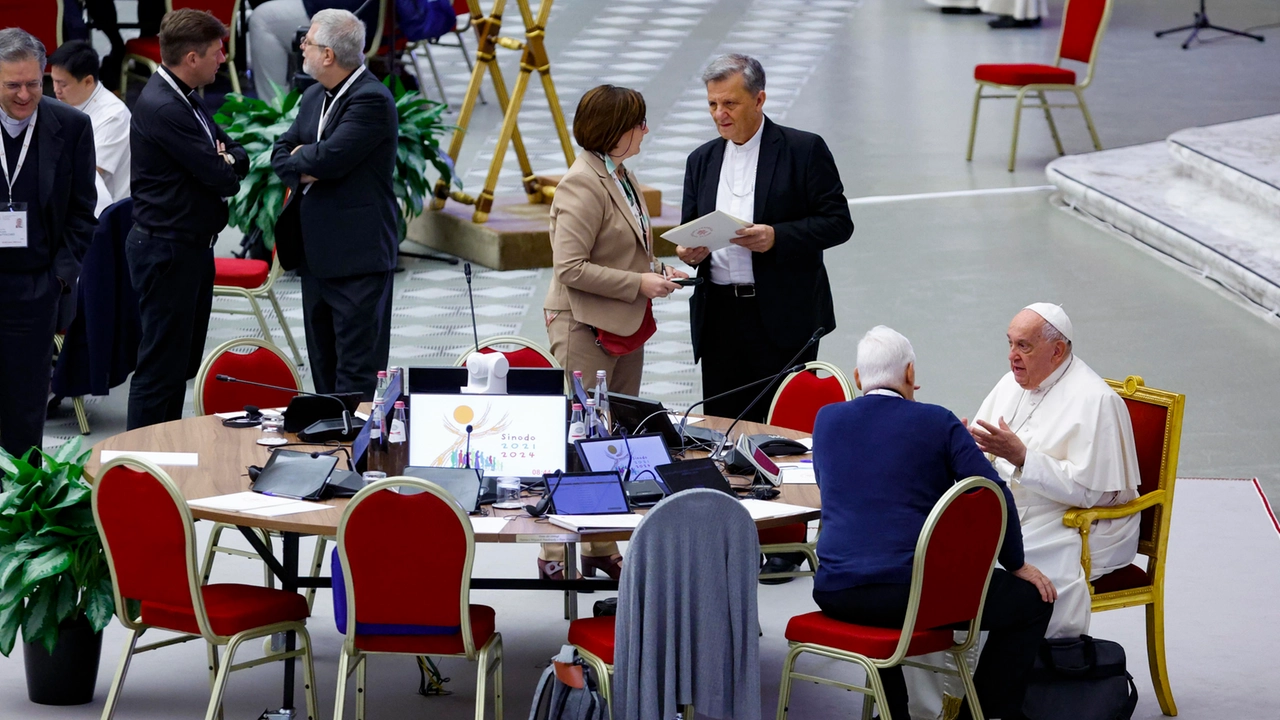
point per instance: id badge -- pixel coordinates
(13, 225)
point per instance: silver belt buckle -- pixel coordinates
(744, 291)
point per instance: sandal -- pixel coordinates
(610, 565)
(550, 569)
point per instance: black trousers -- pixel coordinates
(736, 350)
(174, 282)
(348, 322)
(28, 311)
(1014, 614)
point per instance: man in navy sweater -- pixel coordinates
(882, 463)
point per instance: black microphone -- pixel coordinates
(466, 270)
(685, 417)
(467, 462)
(346, 414)
(791, 367)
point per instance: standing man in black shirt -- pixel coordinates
(339, 156)
(46, 224)
(184, 166)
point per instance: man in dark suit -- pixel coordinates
(882, 462)
(768, 293)
(46, 225)
(183, 165)
(340, 231)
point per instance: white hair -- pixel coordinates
(1051, 334)
(343, 33)
(726, 66)
(883, 356)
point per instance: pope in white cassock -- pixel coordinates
(1062, 439)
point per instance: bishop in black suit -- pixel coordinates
(339, 228)
(763, 297)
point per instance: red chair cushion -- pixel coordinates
(1024, 74)
(873, 642)
(595, 635)
(1126, 578)
(799, 401)
(232, 608)
(794, 533)
(1080, 29)
(261, 365)
(147, 47)
(482, 628)
(38, 18)
(522, 358)
(243, 273)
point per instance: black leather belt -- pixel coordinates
(744, 290)
(178, 237)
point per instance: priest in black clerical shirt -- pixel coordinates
(183, 167)
(46, 224)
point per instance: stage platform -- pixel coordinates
(1208, 197)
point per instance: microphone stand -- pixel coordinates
(475, 330)
(685, 417)
(346, 414)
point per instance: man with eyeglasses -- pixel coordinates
(46, 225)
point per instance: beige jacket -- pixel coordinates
(597, 250)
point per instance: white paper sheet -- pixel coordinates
(186, 459)
(675, 419)
(596, 522)
(290, 507)
(239, 502)
(229, 415)
(761, 509)
(489, 525)
(800, 474)
(807, 442)
(712, 231)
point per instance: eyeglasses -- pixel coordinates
(644, 124)
(34, 86)
(308, 41)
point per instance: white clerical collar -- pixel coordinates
(14, 127)
(749, 145)
(1053, 378)
(886, 392)
(97, 88)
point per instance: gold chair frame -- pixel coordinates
(809, 548)
(230, 65)
(77, 402)
(353, 659)
(265, 290)
(1039, 89)
(533, 58)
(202, 375)
(218, 671)
(493, 342)
(874, 690)
(1161, 502)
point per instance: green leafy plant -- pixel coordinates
(256, 124)
(52, 566)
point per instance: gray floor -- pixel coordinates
(890, 91)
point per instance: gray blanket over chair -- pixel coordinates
(687, 626)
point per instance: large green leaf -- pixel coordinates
(66, 603)
(45, 565)
(10, 563)
(100, 605)
(40, 612)
(10, 619)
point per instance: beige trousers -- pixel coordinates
(574, 346)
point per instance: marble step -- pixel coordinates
(1239, 159)
(1146, 192)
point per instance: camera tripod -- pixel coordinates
(1202, 23)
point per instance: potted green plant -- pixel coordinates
(54, 580)
(256, 124)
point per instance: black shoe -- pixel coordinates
(1006, 22)
(778, 564)
(961, 11)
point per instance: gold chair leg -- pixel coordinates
(220, 680)
(206, 565)
(362, 686)
(309, 673)
(212, 651)
(1088, 120)
(1017, 122)
(317, 562)
(497, 678)
(966, 679)
(877, 689)
(262, 319)
(1156, 658)
(113, 695)
(1053, 127)
(284, 326)
(344, 677)
(82, 417)
(973, 123)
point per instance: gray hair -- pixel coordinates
(1051, 334)
(727, 66)
(343, 33)
(17, 45)
(883, 356)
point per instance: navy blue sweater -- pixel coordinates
(882, 463)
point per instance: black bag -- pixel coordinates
(1080, 679)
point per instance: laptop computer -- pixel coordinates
(639, 415)
(462, 483)
(588, 493)
(697, 473)
(632, 457)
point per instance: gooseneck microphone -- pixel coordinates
(475, 330)
(685, 417)
(467, 461)
(791, 367)
(346, 414)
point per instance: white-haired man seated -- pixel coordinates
(1062, 438)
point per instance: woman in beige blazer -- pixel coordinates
(605, 275)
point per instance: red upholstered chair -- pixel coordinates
(263, 362)
(42, 19)
(406, 563)
(1157, 431)
(795, 406)
(1083, 24)
(148, 536)
(954, 558)
(253, 280)
(520, 353)
(146, 50)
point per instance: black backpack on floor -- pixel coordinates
(568, 690)
(1080, 679)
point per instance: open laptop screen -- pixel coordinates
(642, 454)
(594, 493)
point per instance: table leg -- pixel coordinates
(570, 573)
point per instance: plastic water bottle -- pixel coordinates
(577, 428)
(602, 403)
(377, 452)
(591, 420)
(397, 441)
(380, 392)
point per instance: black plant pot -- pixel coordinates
(68, 676)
